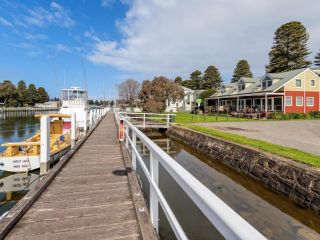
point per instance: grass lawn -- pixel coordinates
(294, 154)
(190, 118)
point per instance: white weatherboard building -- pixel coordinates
(187, 104)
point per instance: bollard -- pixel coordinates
(44, 144)
(73, 129)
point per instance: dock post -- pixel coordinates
(154, 205)
(73, 129)
(90, 118)
(44, 144)
(134, 145)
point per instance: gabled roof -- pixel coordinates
(282, 77)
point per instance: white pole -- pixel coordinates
(154, 206)
(134, 146)
(144, 120)
(127, 136)
(73, 129)
(44, 144)
(91, 118)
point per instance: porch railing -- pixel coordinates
(222, 217)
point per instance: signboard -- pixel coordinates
(199, 101)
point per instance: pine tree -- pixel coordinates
(178, 79)
(32, 94)
(317, 59)
(289, 50)
(42, 95)
(22, 92)
(212, 78)
(242, 70)
(196, 80)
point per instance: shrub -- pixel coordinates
(286, 116)
(315, 114)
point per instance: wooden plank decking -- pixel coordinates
(86, 200)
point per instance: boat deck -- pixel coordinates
(88, 199)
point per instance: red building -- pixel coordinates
(292, 91)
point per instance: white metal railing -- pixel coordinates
(223, 218)
(150, 120)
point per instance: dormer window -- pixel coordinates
(223, 89)
(266, 82)
(241, 86)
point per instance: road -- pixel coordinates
(301, 134)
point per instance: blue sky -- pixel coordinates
(139, 39)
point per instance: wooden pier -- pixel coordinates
(94, 196)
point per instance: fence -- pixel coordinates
(223, 218)
(150, 120)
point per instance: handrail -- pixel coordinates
(223, 218)
(158, 119)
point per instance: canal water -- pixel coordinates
(16, 127)
(273, 215)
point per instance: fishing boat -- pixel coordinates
(25, 156)
(75, 100)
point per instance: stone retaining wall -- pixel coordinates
(299, 182)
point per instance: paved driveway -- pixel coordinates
(303, 135)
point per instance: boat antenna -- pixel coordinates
(84, 71)
(54, 68)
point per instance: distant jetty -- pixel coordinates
(27, 109)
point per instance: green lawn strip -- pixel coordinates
(188, 118)
(294, 154)
(194, 118)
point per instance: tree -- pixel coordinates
(211, 78)
(196, 80)
(154, 94)
(289, 50)
(207, 93)
(32, 94)
(42, 95)
(22, 92)
(178, 79)
(317, 59)
(242, 70)
(129, 90)
(8, 93)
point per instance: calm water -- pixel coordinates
(272, 214)
(16, 127)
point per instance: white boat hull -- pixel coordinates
(26, 163)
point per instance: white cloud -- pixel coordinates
(63, 48)
(175, 37)
(35, 36)
(5, 22)
(41, 17)
(107, 3)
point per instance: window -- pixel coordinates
(241, 86)
(288, 101)
(310, 101)
(298, 83)
(299, 101)
(313, 83)
(267, 82)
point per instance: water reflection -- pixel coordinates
(13, 187)
(273, 215)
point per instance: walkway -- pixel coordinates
(299, 134)
(87, 200)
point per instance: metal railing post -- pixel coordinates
(73, 129)
(144, 120)
(154, 205)
(168, 121)
(44, 144)
(127, 136)
(134, 146)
